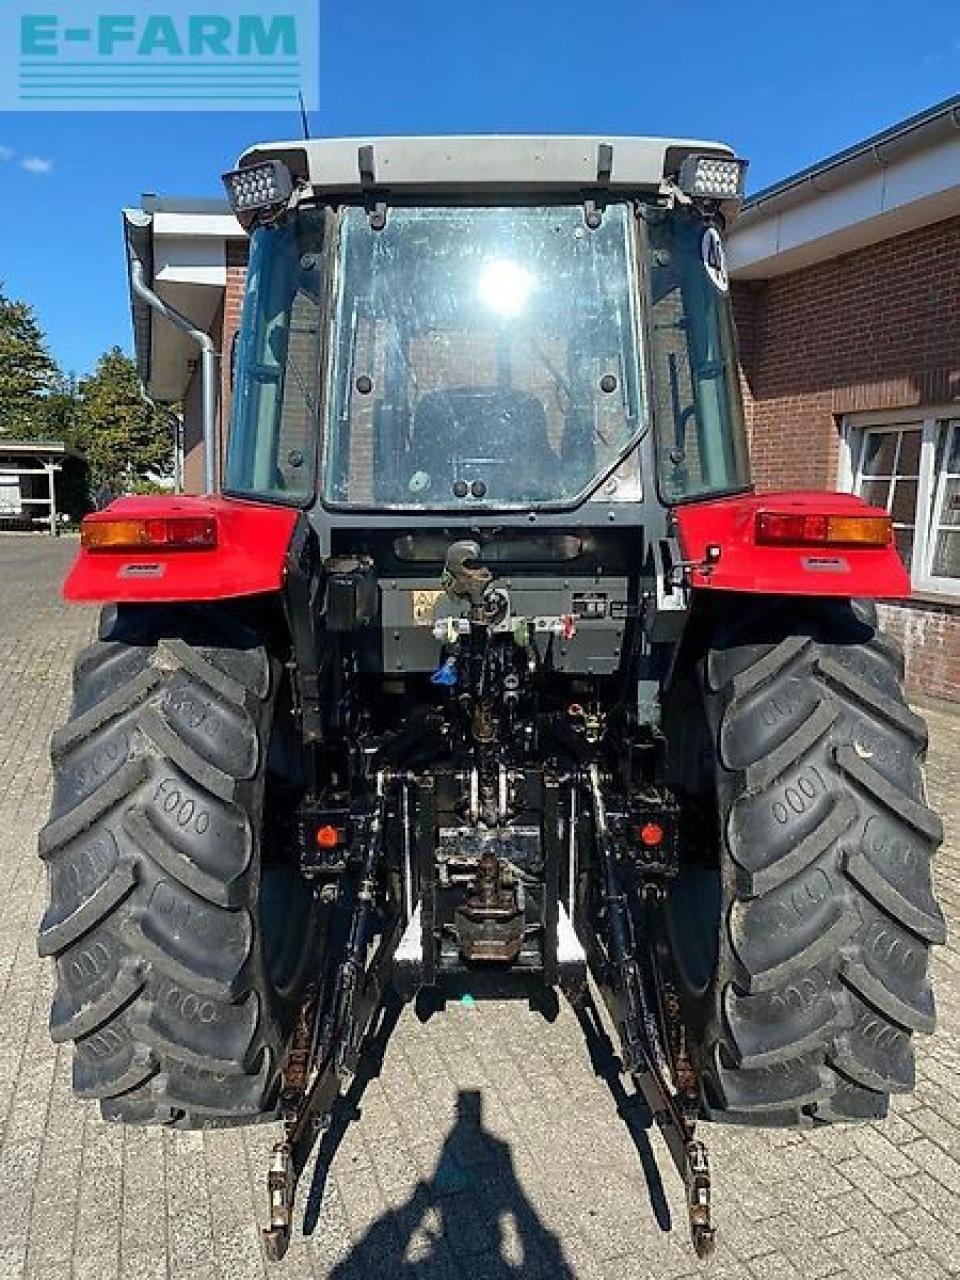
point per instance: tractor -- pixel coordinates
(480, 665)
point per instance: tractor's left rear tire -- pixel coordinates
(182, 936)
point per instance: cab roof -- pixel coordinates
(491, 162)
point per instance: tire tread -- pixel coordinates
(152, 921)
(827, 919)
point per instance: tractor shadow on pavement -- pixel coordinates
(471, 1215)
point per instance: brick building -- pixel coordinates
(847, 293)
(846, 283)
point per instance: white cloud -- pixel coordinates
(36, 164)
(6, 153)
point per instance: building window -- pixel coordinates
(911, 467)
(945, 524)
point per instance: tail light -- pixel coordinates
(328, 836)
(154, 533)
(323, 838)
(651, 835)
(804, 529)
(648, 831)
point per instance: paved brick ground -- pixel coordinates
(486, 1147)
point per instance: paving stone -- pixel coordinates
(876, 1184)
(939, 1241)
(914, 1264)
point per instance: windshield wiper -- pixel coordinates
(681, 416)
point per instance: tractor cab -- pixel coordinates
(486, 326)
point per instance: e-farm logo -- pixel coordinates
(178, 55)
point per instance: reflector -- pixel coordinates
(651, 834)
(821, 529)
(158, 533)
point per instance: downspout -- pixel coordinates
(210, 371)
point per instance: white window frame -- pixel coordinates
(855, 427)
(950, 426)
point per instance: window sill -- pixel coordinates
(944, 599)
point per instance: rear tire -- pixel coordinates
(803, 934)
(181, 943)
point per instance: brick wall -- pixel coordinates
(929, 633)
(874, 329)
(193, 416)
(193, 432)
(745, 297)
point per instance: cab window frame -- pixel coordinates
(640, 375)
(662, 424)
(306, 497)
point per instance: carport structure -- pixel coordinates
(28, 470)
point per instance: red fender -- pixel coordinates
(718, 540)
(252, 540)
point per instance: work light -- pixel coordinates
(714, 177)
(260, 187)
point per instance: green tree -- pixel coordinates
(27, 372)
(125, 439)
(60, 414)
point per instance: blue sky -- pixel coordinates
(785, 83)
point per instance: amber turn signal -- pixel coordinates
(804, 529)
(156, 533)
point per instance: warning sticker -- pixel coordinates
(714, 259)
(424, 606)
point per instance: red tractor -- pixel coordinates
(484, 665)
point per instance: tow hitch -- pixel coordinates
(621, 947)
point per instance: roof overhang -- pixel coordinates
(902, 179)
(182, 245)
(349, 166)
(36, 449)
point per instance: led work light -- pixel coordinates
(714, 177)
(259, 187)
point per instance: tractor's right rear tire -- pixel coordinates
(802, 930)
(182, 939)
